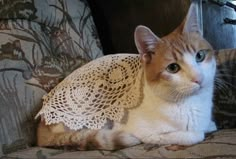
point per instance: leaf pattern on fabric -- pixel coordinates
(42, 41)
(220, 144)
(17, 9)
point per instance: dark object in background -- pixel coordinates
(230, 21)
(116, 20)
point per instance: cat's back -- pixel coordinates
(107, 65)
(95, 92)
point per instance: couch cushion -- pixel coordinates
(41, 42)
(220, 144)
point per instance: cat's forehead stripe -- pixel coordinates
(190, 48)
(179, 51)
(174, 54)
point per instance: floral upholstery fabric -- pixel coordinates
(41, 42)
(220, 144)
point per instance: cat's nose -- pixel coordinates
(197, 81)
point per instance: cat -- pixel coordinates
(176, 74)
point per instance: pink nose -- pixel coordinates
(197, 81)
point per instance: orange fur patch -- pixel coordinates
(171, 50)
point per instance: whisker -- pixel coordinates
(221, 82)
(181, 96)
(229, 84)
(224, 70)
(225, 83)
(182, 93)
(223, 75)
(174, 93)
(221, 86)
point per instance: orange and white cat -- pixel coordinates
(178, 81)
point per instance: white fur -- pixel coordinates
(177, 110)
(184, 122)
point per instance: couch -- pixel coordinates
(41, 42)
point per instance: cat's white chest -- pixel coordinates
(156, 116)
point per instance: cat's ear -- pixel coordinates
(192, 20)
(145, 41)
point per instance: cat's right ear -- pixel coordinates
(145, 41)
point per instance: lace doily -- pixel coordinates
(95, 92)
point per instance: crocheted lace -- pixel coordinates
(95, 92)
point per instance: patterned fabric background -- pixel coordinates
(41, 42)
(219, 145)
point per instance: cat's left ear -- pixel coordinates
(192, 20)
(145, 41)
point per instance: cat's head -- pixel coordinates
(180, 64)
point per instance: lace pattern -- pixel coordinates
(95, 92)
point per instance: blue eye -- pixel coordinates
(173, 68)
(200, 56)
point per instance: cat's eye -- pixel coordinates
(200, 56)
(173, 68)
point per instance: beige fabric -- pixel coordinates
(41, 42)
(98, 91)
(220, 145)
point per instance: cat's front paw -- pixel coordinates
(212, 127)
(152, 139)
